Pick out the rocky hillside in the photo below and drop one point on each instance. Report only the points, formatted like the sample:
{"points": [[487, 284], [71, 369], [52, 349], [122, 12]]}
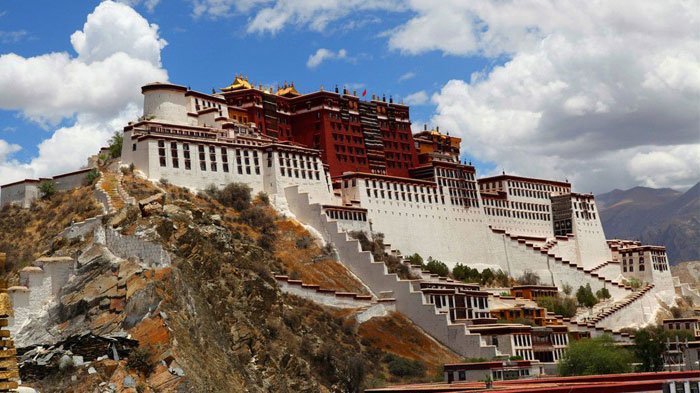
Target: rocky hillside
{"points": [[210, 316], [655, 216], [688, 272]]}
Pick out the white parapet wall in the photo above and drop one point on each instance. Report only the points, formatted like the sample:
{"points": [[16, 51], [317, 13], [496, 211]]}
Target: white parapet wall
{"points": [[58, 270], [19, 295]]}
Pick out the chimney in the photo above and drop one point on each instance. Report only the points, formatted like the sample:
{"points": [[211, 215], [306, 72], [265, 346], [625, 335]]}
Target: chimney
{"points": [[391, 100], [437, 128], [425, 127], [383, 98], [336, 88]]}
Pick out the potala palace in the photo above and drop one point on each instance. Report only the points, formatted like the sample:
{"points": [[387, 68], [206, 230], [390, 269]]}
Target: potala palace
{"points": [[339, 163]]}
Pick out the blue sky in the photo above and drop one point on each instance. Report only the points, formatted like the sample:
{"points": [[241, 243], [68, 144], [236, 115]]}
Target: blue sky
{"points": [[537, 105]]}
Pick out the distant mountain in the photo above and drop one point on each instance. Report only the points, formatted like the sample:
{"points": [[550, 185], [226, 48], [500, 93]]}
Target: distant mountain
{"points": [[655, 216]]}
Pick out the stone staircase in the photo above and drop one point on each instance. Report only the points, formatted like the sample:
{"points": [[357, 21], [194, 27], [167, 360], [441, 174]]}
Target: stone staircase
{"points": [[367, 305], [375, 275], [108, 189], [620, 305], [617, 289]]}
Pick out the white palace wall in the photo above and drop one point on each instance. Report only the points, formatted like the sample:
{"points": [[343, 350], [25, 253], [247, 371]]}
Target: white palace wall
{"points": [[590, 241], [452, 234], [261, 168]]}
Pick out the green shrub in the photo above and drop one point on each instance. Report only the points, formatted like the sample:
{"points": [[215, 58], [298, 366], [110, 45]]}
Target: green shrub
{"points": [[115, 145], [235, 195], [603, 293], [585, 297], [402, 367], [140, 360], [47, 188], [415, 259], [564, 306], [304, 242], [263, 198], [634, 283], [599, 355], [437, 267], [566, 288], [92, 176], [529, 278]]}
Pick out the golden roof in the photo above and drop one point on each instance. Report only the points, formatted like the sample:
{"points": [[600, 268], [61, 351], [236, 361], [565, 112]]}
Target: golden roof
{"points": [[239, 83], [288, 91]]}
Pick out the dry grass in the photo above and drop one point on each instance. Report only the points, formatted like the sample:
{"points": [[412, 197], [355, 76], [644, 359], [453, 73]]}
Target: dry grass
{"points": [[397, 335], [26, 233], [307, 263]]}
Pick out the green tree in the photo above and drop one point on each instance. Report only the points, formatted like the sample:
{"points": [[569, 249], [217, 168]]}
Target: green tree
{"points": [[564, 306], [416, 259], [650, 345], [465, 273], [47, 188], [115, 145], [92, 176], [487, 277], [585, 297], [593, 356], [437, 267], [603, 293]]}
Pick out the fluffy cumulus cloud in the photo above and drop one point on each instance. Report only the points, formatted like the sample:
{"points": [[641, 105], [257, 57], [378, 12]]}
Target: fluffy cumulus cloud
{"points": [[96, 91], [605, 94], [323, 54], [417, 98]]}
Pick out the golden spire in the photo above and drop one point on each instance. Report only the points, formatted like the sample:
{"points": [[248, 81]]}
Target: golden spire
{"points": [[239, 83]]}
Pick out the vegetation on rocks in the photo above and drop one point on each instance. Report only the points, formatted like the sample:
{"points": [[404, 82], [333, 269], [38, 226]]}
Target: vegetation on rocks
{"points": [[375, 245], [560, 305], [25, 234]]}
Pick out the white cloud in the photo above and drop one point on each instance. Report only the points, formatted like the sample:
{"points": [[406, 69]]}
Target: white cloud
{"points": [[150, 5], [670, 166], [417, 98], [223, 8], [12, 37], [314, 14], [97, 91], [407, 76], [323, 54], [590, 92], [271, 16]]}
